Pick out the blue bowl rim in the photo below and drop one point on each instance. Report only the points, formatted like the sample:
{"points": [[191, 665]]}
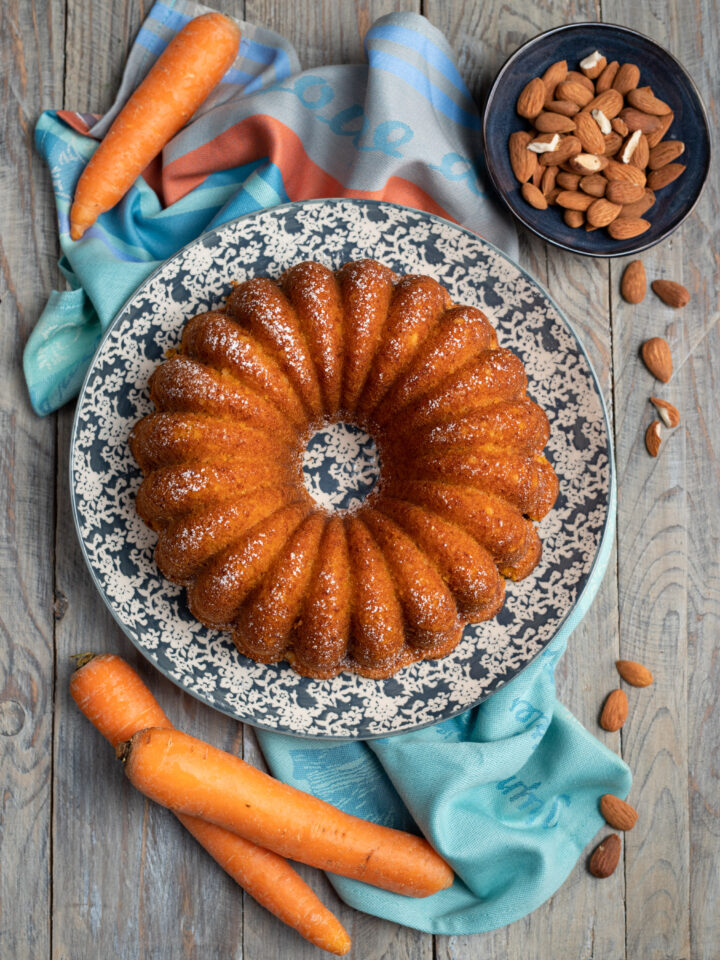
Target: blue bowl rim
{"points": [[501, 193]]}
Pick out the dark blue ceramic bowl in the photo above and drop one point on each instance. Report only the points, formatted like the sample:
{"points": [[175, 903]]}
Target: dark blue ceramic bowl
{"points": [[658, 69]]}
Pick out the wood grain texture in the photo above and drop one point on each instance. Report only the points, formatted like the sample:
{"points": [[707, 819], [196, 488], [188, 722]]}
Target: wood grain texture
{"points": [[32, 75]]}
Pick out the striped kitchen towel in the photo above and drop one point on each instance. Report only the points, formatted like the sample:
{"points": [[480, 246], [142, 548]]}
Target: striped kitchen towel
{"points": [[402, 127]]}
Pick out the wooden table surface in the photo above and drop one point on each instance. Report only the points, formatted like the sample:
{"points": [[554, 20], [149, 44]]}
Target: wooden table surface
{"points": [[88, 869]]}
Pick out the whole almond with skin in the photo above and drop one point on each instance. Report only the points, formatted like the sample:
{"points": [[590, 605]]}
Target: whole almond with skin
{"points": [[665, 123], [657, 358], [572, 90], [605, 80], [643, 99], [552, 196], [619, 126], [588, 133], [588, 163], [637, 120], [670, 416], [533, 196], [653, 438], [547, 122], [625, 228], [626, 79], [633, 285], [595, 184], [634, 673], [602, 212], [609, 101], [665, 175], [531, 100], [574, 200], [613, 142], [548, 179], [565, 107], [675, 295], [639, 207], [568, 147], [605, 857], [624, 171], [617, 813], [554, 75], [665, 152], [641, 154], [568, 181], [574, 218], [522, 161], [536, 178], [623, 192], [575, 76], [614, 713]]}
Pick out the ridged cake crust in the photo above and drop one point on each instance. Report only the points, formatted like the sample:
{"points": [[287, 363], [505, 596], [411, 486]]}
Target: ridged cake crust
{"points": [[462, 473]]}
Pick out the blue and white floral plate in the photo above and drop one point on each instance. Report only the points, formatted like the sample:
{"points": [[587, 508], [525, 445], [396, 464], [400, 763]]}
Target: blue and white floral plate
{"points": [[118, 547]]}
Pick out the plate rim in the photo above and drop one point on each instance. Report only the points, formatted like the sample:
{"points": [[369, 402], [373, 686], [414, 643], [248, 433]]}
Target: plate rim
{"points": [[603, 548]]}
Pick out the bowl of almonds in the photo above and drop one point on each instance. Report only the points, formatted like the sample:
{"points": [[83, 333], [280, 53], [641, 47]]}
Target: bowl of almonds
{"points": [[597, 139]]}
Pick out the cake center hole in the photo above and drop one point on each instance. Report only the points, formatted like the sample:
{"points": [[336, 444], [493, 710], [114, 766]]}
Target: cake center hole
{"points": [[341, 466]]}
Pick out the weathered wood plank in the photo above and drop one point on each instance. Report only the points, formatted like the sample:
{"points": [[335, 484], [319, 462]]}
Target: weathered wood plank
{"points": [[32, 78], [584, 918]]}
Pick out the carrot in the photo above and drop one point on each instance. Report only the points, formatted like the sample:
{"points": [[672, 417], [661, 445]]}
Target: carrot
{"points": [[178, 82], [115, 699], [191, 777]]}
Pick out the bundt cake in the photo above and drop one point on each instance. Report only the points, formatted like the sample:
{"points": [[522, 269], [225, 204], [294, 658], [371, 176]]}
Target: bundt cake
{"points": [[460, 447]]}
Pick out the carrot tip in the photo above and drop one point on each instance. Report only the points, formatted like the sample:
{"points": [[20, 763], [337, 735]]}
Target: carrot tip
{"points": [[122, 751], [82, 658]]}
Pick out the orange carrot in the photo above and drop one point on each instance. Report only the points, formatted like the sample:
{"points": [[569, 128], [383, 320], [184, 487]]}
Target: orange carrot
{"points": [[181, 78], [192, 777], [115, 699]]}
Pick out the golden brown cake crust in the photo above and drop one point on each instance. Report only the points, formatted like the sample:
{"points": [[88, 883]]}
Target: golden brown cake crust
{"points": [[462, 472]]}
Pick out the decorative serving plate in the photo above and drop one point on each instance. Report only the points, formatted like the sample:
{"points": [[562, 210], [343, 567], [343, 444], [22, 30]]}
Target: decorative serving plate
{"points": [[118, 547]]}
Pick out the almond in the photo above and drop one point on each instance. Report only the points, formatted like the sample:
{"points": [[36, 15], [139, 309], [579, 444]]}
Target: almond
{"points": [[634, 673], [574, 200], [625, 228], [643, 99], [613, 142], [536, 178], [522, 161], [544, 143], [657, 358], [568, 181], [624, 192], [588, 163], [566, 107], [572, 90], [628, 148], [633, 285], [641, 153], [653, 438], [595, 185], [664, 153], [602, 212], [665, 175], [614, 713], [531, 100], [670, 416], [554, 75], [548, 179], [617, 813], [567, 147], [624, 171], [609, 101], [575, 76], [547, 122], [639, 207], [619, 126], [552, 196], [574, 218], [605, 857], [626, 79], [588, 133], [593, 65], [673, 294], [637, 120], [665, 123], [602, 121], [533, 196], [605, 80]]}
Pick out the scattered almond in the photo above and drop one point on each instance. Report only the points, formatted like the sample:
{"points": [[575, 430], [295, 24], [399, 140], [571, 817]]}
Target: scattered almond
{"points": [[625, 228], [576, 76], [633, 285], [575, 91], [548, 179], [566, 107], [554, 75], [536, 178], [643, 99], [533, 196], [602, 212], [623, 192], [657, 358], [605, 80], [614, 713], [669, 414], [673, 294], [574, 200], [594, 184], [634, 673], [609, 101], [588, 133], [624, 171], [626, 79], [547, 122], [617, 812], [665, 123], [665, 152], [531, 100], [665, 175], [637, 120], [605, 857], [653, 438], [568, 181], [574, 218], [639, 207], [522, 161]]}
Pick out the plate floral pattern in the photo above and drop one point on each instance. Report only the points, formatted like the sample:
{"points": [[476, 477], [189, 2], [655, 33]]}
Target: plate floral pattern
{"points": [[118, 547]]}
